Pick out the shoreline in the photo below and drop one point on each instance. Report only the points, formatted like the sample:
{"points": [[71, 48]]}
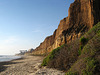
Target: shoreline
{"points": [[27, 65], [19, 57], [2, 63]]}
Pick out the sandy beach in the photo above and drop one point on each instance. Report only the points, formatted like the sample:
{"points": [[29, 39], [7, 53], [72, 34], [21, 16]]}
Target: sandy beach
{"points": [[28, 65]]}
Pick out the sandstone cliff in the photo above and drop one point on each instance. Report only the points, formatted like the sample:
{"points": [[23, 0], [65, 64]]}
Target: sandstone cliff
{"points": [[82, 15]]}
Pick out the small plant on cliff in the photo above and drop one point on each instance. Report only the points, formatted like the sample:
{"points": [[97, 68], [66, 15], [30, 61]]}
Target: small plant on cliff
{"points": [[71, 73], [90, 66], [83, 41], [80, 49], [45, 61], [51, 56]]}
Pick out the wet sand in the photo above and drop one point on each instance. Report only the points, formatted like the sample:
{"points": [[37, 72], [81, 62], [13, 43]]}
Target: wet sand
{"points": [[28, 65]]}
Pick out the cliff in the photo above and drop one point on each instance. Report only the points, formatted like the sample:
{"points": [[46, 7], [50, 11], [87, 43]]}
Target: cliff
{"points": [[82, 15], [79, 57]]}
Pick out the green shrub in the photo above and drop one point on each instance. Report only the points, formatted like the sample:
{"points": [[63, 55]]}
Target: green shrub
{"points": [[83, 40], [93, 46], [45, 61], [64, 58], [90, 66], [62, 45], [51, 55], [71, 73], [80, 49], [91, 33]]}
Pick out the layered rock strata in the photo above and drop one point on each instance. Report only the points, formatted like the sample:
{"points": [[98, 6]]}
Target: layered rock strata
{"points": [[82, 15]]}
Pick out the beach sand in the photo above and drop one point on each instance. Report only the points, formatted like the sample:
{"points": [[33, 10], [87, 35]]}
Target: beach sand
{"points": [[28, 65]]}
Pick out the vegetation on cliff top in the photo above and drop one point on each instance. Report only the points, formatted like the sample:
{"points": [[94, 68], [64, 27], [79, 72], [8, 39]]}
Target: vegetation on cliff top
{"points": [[80, 57]]}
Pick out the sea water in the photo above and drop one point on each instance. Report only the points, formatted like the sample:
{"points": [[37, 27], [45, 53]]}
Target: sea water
{"points": [[8, 57]]}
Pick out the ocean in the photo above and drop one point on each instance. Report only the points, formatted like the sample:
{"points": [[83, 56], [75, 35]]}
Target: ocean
{"points": [[8, 57]]}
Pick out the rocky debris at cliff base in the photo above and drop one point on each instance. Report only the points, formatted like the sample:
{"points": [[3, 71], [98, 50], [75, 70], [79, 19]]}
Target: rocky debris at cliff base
{"points": [[46, 71]]}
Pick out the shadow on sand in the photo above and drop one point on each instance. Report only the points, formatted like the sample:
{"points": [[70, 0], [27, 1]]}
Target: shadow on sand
{"points": [[3, 68]]}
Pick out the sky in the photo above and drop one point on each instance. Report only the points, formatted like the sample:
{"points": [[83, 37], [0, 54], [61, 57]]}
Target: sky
{"points": [[24, 24]]}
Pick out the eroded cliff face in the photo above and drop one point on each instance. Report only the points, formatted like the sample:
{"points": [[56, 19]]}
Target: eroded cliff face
{"points": [[82, 15]]}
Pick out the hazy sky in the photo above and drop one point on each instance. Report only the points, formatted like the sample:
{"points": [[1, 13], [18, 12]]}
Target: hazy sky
{"points": [[24, 24]]}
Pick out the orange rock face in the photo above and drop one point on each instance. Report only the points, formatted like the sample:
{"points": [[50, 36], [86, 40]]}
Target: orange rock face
{"points": [[82, 15]]}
